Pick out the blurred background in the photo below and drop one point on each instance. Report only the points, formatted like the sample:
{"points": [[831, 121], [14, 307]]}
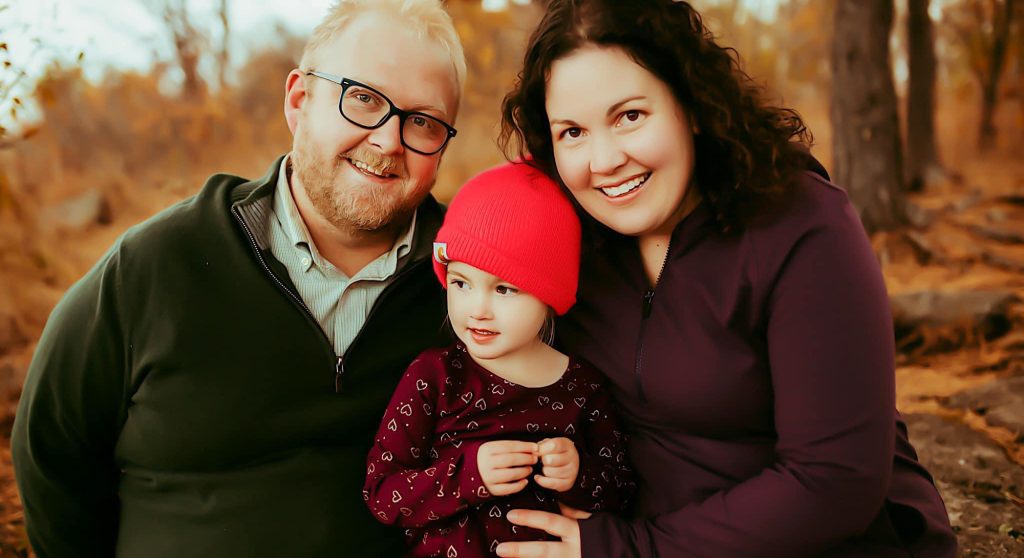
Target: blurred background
{"points": [[111, 111]]}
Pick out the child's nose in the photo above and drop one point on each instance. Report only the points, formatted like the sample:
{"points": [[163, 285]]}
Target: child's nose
{"points": [[481, 307]]}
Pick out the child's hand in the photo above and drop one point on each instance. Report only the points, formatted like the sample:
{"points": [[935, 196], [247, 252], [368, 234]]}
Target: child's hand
{"points": [[561, 464], [505, 465]]}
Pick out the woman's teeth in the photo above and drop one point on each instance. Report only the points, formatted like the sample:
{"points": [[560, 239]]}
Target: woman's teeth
{"points": [[625, 187]]}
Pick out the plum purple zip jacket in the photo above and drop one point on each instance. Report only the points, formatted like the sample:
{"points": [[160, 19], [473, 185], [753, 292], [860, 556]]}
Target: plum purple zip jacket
{"points": [[757, 383]]}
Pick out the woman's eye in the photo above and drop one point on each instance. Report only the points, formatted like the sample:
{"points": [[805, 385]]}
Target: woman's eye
{"points": [[571, 133], [631, 117]]}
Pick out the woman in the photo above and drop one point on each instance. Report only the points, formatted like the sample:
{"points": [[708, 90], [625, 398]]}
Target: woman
{"points": [[731, 297]]}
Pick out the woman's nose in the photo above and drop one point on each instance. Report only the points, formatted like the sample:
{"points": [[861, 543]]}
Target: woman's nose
{"points": [[606, 155]]}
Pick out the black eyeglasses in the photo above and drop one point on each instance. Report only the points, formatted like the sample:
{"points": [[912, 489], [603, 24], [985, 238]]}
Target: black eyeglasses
{"points": [[368, 108]]}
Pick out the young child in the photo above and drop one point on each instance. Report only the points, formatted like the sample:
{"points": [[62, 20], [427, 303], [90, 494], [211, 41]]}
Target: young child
{"points": [[501, 420]]}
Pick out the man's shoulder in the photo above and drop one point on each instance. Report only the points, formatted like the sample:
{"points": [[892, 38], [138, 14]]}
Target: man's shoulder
{"points": [[200, 218]]}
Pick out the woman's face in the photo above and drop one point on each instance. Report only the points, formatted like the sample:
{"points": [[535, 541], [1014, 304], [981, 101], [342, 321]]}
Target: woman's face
{"points": [[622, 143]]}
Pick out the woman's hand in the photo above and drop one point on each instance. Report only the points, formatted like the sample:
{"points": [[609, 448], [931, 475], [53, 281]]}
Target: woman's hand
{"points": [[560, 526]]}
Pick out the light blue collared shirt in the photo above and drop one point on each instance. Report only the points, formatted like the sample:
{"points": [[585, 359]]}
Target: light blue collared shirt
{"points": [[339, 303]]}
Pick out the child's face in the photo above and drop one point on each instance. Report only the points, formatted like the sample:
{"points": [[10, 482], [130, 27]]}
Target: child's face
{"points": [[492, 317]]}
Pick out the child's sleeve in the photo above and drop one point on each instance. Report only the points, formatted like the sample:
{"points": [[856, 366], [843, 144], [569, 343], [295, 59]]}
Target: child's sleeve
{"points": [[606, 480], [406, 483]]}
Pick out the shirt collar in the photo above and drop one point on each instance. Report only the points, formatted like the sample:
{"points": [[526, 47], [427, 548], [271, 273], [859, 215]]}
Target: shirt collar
{"points": [[288, 216]]}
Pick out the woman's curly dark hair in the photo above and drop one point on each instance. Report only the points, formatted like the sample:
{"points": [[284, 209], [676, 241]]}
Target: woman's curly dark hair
{"points": [[747, 152]]}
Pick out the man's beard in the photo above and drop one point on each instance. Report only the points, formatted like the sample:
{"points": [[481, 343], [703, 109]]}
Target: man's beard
{"points": [[350, 205]]}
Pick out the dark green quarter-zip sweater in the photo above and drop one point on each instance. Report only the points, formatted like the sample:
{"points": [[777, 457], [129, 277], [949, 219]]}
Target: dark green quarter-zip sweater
{"points": [[183, 402]]}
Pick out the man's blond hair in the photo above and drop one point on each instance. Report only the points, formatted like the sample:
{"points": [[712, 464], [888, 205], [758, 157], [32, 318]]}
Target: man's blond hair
{"points": [[427, 18]]}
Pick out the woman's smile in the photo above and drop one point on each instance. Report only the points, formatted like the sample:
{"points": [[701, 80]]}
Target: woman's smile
{"points": [[625, 188]]}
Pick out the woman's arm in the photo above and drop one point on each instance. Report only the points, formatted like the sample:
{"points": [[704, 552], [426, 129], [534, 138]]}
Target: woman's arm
{"points": [[830, 347]]}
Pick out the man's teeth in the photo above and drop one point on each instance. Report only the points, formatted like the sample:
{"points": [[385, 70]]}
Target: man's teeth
{"points": [[625, 187], [368, 169]]}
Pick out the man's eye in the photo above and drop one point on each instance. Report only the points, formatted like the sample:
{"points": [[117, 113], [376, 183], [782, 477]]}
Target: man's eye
{"points": [[364, 97], [422, 122]]}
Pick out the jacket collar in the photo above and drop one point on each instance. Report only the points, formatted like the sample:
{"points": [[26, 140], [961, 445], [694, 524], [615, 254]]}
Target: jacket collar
{"points": [[254, 200]]}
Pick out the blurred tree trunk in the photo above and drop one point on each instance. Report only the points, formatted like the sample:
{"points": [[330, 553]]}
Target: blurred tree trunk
{"points": [[866, 142], [990, 83], [922, 155], [223, 58], [188, 42]]}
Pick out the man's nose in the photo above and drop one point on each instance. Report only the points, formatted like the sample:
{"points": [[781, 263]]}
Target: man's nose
{"points": [[388, 137]]}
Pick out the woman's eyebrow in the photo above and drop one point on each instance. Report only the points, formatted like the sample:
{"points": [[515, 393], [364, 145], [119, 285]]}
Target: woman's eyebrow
{"points": [[611, 110], [619, 104]]}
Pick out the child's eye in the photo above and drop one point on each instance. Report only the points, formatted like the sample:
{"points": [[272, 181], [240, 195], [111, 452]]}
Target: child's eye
{"points": [[457, 283], [506, 290]]}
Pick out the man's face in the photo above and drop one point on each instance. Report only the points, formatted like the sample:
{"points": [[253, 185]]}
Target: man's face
{"points": [[364, 180]]}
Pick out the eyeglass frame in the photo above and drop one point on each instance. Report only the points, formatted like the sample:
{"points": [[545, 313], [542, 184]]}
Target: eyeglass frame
{"points": [[393, 109]]}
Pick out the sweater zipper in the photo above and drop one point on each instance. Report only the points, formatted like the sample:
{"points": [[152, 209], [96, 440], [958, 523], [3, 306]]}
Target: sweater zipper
{"points": [[645, 312], [405, 271], [339, 364]]}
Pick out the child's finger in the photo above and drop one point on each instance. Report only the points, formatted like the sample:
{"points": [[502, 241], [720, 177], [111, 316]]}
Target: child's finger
{"points": [[548, 482], [554, 445], [557, 459], [563, 472], [504, 460], [505, 489], [502, 476]]}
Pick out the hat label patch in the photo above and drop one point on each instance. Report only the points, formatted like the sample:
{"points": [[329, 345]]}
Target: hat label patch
{"points": [[441, 252]]}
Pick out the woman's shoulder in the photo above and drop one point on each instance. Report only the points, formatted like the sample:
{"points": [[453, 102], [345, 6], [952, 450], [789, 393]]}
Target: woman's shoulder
{"points": [[812, 204], [812, 201], [817, 214]]}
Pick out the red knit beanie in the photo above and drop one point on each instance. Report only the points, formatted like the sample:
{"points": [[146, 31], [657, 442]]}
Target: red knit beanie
{"points": [[515, 223]]}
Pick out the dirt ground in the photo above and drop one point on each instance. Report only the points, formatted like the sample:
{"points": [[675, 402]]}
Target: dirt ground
{"points": [[960, 384]]}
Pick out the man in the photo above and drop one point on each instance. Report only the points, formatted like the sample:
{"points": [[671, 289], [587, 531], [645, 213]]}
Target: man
{"points": [[212, 386]]}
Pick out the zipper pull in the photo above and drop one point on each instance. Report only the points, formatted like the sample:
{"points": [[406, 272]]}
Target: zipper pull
{"points": [[339, 370], [648, 299]]}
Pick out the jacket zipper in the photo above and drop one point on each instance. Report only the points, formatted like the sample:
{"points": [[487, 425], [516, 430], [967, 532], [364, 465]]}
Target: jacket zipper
{"points": [[645, 312], [340, 367], [339, 363]]}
